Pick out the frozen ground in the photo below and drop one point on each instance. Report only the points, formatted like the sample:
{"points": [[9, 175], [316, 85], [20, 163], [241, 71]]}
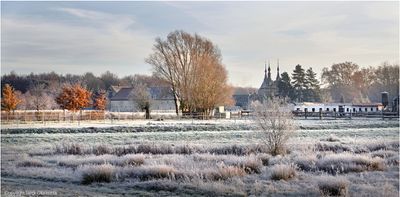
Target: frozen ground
{"points": [[358, 157]]}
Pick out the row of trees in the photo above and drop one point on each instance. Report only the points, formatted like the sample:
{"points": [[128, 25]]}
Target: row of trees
{"points": [[72, 97], [302, 86], [54, 82], [192, 66], [350, 83], [342, 82], [40, 91]]}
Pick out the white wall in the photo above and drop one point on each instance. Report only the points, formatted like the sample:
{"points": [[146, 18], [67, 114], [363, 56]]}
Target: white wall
{"points": [[130, 106], [331, 106]]}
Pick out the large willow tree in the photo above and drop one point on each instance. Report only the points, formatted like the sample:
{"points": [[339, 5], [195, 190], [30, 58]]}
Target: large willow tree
{"points": [[192, 66]]}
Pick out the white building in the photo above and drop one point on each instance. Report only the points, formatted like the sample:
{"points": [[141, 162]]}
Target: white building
{"points": [[338, 107]]}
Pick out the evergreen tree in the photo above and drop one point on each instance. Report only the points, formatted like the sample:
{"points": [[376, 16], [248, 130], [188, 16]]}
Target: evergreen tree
{"points": [[284, 86], [312, 92], [299, 83]]}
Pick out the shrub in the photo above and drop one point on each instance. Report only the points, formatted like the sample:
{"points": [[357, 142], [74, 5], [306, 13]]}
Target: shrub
{"points": [[97, 173], [383, 153], [32, 163], [229, 150], [283, 171], [70, 148], [346, 162], [101, 150], [334, 147], [264, 158], [333, 186], [222, 173], [152, 172], [231, 171], [331, 138], [306, 162], [251, 164], [154, 149], [276, 121], [134, 160]]}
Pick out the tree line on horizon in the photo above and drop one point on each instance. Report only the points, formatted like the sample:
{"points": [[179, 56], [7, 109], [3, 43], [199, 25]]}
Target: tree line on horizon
{"points": [[345, 82]]}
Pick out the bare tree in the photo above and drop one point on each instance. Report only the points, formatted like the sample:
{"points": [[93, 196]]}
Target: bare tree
{"points": [[38, 99], [179, 59], [275, 120], [142, 98]]}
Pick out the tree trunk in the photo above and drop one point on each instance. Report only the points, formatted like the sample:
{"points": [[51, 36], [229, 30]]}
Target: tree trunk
{"points": [[147, 112], [176, 104]]}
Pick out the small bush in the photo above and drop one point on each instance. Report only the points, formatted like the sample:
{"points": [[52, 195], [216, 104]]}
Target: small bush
{"points": [[153, 172], [383, 153], [70, 148], [229, 150], [154, 149], [331, 138], [306, 162], [346, 162], [97, 173], [101, 150], [134, 160], [184, 149], [333, 186], [231, 171], [32, 163], [334, 147], [283, 171], [264, 158], [275, 120], [222, 173], [252, 164]]}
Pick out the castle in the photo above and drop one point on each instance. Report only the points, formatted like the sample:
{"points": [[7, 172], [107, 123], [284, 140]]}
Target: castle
{"points": [[269, 89]]}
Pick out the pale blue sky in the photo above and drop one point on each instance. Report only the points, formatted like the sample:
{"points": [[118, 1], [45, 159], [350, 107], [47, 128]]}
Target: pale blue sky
{"points": [[78, 37]]}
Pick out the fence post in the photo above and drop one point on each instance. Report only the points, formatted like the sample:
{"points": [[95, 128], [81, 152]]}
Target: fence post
{"points": [[305, 113], [79, 117], [320, 114]]}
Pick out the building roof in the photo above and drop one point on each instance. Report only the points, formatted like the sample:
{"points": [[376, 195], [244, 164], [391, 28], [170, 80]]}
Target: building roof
{"points": [[118, 87], [122, 94], [344, 104], [156, 93], [161, 93], [366, 104]]}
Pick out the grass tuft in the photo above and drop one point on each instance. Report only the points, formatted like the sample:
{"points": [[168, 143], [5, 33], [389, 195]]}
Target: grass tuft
{"points": [[97, 173], [32, 163], [333, 186], [283, 171]]}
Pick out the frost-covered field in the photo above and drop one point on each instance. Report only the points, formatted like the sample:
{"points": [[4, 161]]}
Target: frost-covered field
{"points": [[358, 157]]}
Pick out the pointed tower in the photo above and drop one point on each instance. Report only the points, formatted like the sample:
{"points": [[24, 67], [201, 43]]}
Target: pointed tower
{"points": [[265, 69], [269, 71], [264, 85], [277, 72]]}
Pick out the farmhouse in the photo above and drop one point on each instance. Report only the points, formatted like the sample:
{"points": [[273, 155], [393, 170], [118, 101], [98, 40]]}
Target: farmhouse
{"points": [[338, 107], [121, 99]]}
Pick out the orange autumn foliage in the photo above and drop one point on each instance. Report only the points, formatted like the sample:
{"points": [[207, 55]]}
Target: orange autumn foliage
{"points": [[73, 97], [100, 101], [9, 101]]}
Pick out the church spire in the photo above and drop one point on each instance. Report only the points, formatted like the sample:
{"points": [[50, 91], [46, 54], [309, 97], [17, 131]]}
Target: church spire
{"points": [[269, 71], [265, 68], [277, 73]]}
